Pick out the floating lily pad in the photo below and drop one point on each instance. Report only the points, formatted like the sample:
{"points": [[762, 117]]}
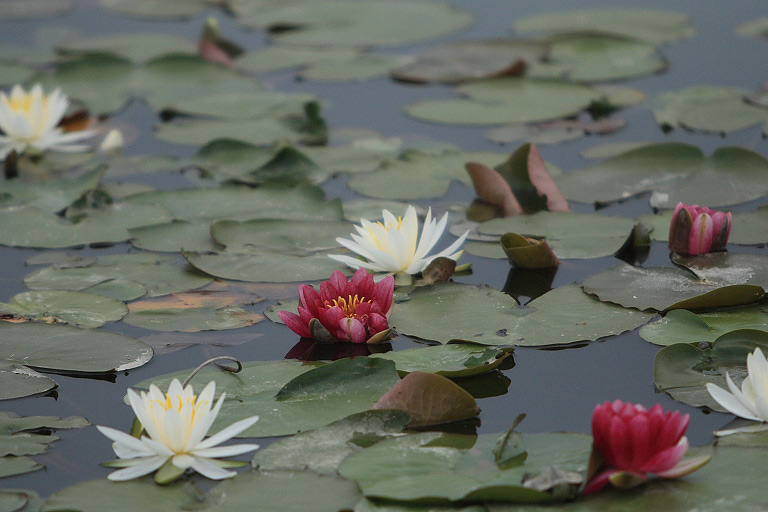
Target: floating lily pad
{"points": [[507, 100], [656, 26], [714, 280], [17, 381], [193, 312], [285, 492], [472, 60], [355, 69], [10, 466], [358, 23], [418, 175], [105, 82], [434, 468], [11, 73], [453, 360], [141, 164], [98, 495], [570, 234], [79, 308], [264, 266], [682, 326], [288, 236], [11, 422], [159, 275], [20, 500], [595, 57], [757, 28], [136, 47], [276, 58], [174, 236], [323, 449], [50, 196], [709, 109], [70, 349], [230, 106], [684, 369], [679, 170], [242, 203]]}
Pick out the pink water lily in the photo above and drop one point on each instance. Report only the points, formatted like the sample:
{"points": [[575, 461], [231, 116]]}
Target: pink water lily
{"points": [[632, 442], [355, 310], [698, 230]]}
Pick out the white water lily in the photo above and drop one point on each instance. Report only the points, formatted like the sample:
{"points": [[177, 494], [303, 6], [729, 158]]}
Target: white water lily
{"points": [[751, 401], [176, 423], [29, 121], [394, 246]]}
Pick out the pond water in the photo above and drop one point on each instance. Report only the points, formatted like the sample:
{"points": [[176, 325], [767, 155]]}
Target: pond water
{"points": [[557, 389]]}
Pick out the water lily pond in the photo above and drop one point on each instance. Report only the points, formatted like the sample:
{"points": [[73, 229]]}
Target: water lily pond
{"points": [[495, 183]]}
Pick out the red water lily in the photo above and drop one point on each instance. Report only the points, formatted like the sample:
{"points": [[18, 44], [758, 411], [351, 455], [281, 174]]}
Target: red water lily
{"points": [[631, 442], [698, 230], [356, 310]]}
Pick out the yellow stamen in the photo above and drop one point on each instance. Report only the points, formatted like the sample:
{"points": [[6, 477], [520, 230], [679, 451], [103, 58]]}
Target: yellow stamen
{"points": [[348, 305]]}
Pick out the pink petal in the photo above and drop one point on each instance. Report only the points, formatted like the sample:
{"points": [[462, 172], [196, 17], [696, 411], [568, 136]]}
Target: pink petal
{"points": [[354, 330], [680, 229], [686, 467], [378, 322], [294, 323], [640, 439], [385, 293], [666, 459], [621, 448], [599, 481], [702, 235], [309, 298]]}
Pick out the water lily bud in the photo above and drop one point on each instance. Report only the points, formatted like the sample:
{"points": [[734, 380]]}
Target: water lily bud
{"points": [[698, 230], [113, 142], [632, 442]]}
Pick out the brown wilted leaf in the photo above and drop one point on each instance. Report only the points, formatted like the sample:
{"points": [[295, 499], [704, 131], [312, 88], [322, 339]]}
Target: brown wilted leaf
{"points": [[545, 185], [430, 399], [491, 187]]}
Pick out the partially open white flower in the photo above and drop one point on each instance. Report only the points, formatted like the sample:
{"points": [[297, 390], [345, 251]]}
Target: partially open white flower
{"points": [[29, 121], [176, 423], [394, 245], [751, 401]]}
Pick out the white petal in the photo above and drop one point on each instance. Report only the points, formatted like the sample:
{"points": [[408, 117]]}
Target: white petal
{"points": [[225, 451], [730, 402], [228, 433], [145, 418], [127, 443], [211, 470], [142, 467]]}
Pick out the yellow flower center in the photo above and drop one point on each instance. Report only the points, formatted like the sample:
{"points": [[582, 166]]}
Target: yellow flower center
{"points": [[348, 305]]}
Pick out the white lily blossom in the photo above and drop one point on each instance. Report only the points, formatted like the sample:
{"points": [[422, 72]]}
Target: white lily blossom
{"points": [[29, 122], [394, 246], [751, 401], [176, 423]]}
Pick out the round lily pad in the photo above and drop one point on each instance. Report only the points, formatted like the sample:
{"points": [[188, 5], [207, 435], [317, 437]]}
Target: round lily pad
{"points": [[17, 381], [452, 360], [570, 234], [96, 495], [136, 47], [288, 236], [174, 236], [684, 369], [79, 308], [683, 326], [265, 266]]}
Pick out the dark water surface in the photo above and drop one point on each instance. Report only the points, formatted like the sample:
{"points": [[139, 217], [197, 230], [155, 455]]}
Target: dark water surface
{"points": [[556, 388]]}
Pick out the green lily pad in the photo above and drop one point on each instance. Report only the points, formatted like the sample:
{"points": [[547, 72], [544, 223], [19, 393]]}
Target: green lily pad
{"points": [[757, 28], [714, 280], [11, 423], [10, 466], [416, 175], [683, 326], [50, 196], [611, 149], [25, 444], [729, 477], [355, 69], [17, 381], [595, 57], [570, 234], [98, 495], [709, 109], [471, 60], [277, 58], [70, 349], [265, 266], [174, 236], [19, 500], [323, 449], [303, 202], [159, 275], [284, 492], [287, 236], [138, 48], [656, 26], [230, 106], [436, 468], [141, 164], [156, 8], [358, 23], [453, 360], [105, 82], [79, 308], [684, 369], [507, 100], [15, 73], [748, 228], [679, 170]]}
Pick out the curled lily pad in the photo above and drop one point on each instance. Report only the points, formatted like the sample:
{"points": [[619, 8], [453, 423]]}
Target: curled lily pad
{"points": [[683, 326], [684, 369], [525, 252]]}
